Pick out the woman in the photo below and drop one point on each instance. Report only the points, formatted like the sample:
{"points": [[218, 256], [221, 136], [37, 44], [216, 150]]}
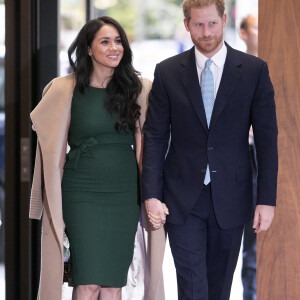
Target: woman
{"points": [[99, 110]]}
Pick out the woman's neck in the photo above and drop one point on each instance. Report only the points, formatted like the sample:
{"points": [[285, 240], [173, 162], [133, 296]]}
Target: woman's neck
{"points": [[100, 78]]}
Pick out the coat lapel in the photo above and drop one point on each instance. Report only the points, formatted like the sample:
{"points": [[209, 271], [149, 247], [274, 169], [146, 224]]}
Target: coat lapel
{"points": [[52, 112], [230, 78], [190, 80]]}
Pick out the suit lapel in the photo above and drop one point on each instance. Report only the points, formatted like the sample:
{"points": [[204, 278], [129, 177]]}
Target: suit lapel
{"points": [[190, 80], [230, 78]]}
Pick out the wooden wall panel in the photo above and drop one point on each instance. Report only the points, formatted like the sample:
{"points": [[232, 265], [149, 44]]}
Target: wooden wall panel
{"points": [[278, 273]]}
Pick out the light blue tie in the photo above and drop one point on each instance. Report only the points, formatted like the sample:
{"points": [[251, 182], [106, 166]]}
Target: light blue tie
{"points": [[208, 96]]}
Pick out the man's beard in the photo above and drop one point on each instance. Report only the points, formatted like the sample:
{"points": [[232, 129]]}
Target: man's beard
{"points": [[204, 47]]}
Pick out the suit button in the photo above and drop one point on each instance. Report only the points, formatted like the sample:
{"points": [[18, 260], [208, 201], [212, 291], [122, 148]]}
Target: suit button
{"points": [[203, 170], [210, 148]]}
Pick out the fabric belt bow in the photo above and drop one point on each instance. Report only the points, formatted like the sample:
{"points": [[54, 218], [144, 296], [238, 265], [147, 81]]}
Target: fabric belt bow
{"points": [[84, 148]]}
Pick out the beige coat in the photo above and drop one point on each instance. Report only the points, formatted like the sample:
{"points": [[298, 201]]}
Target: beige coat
{"points": [[51, 119]]}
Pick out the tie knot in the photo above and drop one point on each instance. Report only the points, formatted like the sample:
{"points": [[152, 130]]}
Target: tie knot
{"points": [[208, 63]]}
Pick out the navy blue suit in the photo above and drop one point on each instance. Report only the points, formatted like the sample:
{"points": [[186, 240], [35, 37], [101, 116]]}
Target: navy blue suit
{"points": [[174, 169]]}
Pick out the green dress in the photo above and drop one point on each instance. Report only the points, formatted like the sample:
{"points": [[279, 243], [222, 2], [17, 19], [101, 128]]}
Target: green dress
{"points": [[99, 193]]}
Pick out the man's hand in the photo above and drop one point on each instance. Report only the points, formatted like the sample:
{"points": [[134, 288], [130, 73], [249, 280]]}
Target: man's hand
{"points": [[156, 211], [263, 217]]}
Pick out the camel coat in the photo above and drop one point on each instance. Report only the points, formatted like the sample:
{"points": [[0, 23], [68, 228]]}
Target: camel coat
{"points": [[51, 119]]}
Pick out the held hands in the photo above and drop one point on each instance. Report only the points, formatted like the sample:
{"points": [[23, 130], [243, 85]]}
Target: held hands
{"points": [[263, 217], [156, 211]]}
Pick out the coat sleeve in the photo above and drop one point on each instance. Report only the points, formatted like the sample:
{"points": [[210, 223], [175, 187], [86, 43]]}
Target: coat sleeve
{"points": [[156, 138], [143, 103], [265, 137], [36, 197]]}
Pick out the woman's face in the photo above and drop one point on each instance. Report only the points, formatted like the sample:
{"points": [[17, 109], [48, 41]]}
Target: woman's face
{"points": [[106, 49]]}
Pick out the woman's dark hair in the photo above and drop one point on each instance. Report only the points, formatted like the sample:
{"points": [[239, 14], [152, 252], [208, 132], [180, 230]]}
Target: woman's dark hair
{"points": [[124, 86]]}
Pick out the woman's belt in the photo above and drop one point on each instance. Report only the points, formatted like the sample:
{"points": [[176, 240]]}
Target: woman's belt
{"points": [[86, 147]]}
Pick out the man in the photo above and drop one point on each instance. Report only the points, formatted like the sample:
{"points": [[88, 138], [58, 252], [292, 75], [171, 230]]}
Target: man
{"points": [[249, 34], [205, 99]]}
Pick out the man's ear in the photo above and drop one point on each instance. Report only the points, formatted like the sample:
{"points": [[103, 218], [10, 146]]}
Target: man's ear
{"points": [[243, 34], [186, 24], [224, 20]]}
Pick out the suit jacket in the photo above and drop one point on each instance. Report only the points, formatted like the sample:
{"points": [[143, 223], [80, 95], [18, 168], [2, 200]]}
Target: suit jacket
{"points": [[51, 121], [176, 109]]}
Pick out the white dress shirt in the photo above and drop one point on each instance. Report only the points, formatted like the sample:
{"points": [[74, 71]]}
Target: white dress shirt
{"points": [[216, 67]]}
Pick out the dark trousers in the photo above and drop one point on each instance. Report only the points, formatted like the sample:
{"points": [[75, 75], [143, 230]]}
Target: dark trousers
{"points": [[205, 255], [249, 243], [249, 263]]}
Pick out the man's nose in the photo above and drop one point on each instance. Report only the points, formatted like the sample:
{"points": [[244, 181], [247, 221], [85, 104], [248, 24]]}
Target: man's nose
{"points": [[206, 30]]}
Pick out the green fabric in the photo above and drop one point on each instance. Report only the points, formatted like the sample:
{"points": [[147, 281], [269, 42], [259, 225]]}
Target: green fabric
{"points": [[100, 193]]}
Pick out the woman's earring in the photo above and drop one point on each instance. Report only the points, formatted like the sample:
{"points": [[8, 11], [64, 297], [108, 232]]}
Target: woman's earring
{"points": [[90, 54]]}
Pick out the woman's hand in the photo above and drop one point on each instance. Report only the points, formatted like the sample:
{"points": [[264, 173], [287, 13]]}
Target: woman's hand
{"points": [[156, 211]]}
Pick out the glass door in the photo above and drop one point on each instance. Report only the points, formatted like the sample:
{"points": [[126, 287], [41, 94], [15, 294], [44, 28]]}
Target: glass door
{"points": [[72, 18]]}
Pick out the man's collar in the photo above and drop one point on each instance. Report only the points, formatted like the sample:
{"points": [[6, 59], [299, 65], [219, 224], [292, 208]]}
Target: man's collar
{"points": [[218, 59]]}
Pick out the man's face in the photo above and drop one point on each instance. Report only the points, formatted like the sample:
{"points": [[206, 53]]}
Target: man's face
{"points": [[206, 29], [252, 38]]}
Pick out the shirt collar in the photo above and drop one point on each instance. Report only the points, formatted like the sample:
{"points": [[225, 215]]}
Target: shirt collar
{"points": [[218, 59]]}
